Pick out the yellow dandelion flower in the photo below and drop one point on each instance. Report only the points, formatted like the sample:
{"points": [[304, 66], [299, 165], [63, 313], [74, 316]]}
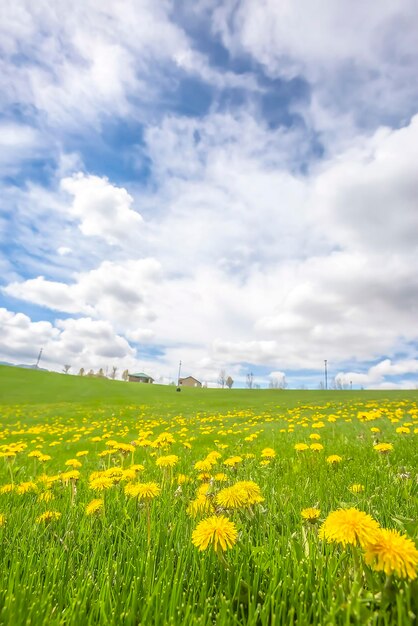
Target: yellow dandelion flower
{"points": [[48, 516], [73, 463], [333, 459], [220, 477], [264, 462], [137, 467], [204, 466], [383, 448], [26, 487], [316, 447], [35, 454], [393, 553], [8, 488], [204, 477], [72, 475], [231, 497], [82, 453], [315, 436], [95, 506], [301, 447], [101, 483], [44, 457], [311, 514], [356, 488], [128, 475], [142, 491], [374, 429], [403, 430], [167, 461], [219, 532], [200, 506], [233, 461], [251, 490], [349, 526], [268, 453], [2, 519]]}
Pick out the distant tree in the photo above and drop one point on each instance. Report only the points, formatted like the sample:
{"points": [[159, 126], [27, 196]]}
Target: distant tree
{"points": [[125, 375], [229, 382], [90, 374], [321, 386], [100, 373], [113, 373], [66, 369], [222, 378], [81, 372], [278, 383], [250, 380], [256, 386]]}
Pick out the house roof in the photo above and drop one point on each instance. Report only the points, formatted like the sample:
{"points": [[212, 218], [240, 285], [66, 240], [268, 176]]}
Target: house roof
{"points": [[140, 375], [190, 378]]}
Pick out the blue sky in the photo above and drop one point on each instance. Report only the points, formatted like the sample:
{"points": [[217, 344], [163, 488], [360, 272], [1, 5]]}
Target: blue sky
{"points": [[230, 184]]}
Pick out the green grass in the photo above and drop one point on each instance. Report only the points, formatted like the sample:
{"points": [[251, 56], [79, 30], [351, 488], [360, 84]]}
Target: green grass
{"points": [[82, 570]]}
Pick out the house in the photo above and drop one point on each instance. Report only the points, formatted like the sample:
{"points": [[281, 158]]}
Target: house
{"points": [[189, 381], [140, 378]]}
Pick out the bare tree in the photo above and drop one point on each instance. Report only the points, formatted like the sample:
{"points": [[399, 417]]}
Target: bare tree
{"points": [[250, 380], [222, 378], [125, 375], [90, 374], [278, 382], [82, 371], [229, 382], [113, 374], [66, 369], [100, 373]]}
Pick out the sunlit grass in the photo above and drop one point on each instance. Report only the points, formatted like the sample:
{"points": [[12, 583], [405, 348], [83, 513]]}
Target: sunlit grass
{"points": [[132, 561]]}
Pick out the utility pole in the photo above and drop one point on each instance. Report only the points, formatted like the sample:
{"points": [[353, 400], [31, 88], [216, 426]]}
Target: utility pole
{"points": [[326, 373], [178, 377], [39, 357]]}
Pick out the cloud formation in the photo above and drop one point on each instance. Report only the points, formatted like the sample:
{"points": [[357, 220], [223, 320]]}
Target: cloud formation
{"points": [[228, 186]]}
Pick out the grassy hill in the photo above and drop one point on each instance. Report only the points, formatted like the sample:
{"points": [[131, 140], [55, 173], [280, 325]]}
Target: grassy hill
{"points": [[30, 387]]}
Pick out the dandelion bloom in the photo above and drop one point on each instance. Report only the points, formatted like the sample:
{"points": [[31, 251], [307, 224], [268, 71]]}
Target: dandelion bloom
{"points": [[349, 526], [217, 531], [403, 430], [356, 488], [182, 479], [300, 447], [48, 516], [167, 461], [204, 466], [383, 448], [316, 447], [199, 506], [315, 436], [251, 490], [82, 453], [2, 519], [220, 477], [95, 506], [334, 459], [311, 514], [232, 497], [233, 461], [143, 491], [73, 463], [268, 453], [393, 553], [72, 475], [101, 483], [26, 487]]}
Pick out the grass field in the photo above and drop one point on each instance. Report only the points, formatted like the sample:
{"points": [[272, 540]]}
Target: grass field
{"points": [[106, 488]]}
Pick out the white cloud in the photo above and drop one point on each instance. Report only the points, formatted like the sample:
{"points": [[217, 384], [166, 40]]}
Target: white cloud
{"points": [[102, 209]]}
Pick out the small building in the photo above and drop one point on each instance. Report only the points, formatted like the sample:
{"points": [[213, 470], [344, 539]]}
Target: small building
{"points": [[140, 378], [189, 381]]}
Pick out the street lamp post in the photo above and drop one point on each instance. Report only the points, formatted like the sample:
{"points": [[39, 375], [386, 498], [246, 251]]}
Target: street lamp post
{"points": [[326, 373]]}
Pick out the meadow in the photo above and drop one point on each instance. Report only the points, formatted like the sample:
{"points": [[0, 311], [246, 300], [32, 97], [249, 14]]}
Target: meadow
{"points": [[129, 504]]}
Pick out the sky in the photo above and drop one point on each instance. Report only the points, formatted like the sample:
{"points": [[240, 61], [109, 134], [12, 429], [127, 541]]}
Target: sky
{"points": [[228, 183]]}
